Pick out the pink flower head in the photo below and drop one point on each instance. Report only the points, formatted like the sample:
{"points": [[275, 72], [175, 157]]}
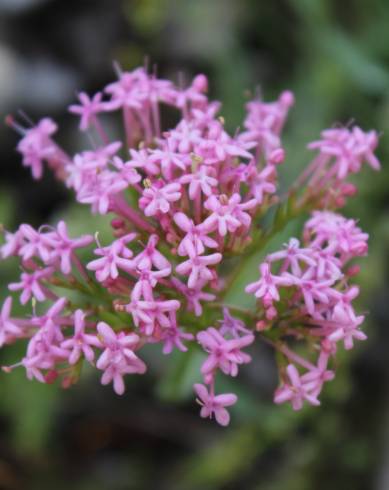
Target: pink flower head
{"points": [[215, 404], [265, 121], [196, 202], [348, 148], [341, 234]]}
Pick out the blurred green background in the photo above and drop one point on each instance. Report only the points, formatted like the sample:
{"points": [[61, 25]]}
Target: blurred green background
{"points": [[335, 56]]}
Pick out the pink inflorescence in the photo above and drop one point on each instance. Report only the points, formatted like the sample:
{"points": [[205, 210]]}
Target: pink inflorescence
{"points": [[189, 206]]}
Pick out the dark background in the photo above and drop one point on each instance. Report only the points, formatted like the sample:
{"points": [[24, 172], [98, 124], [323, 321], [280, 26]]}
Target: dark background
{"points": [[335, 56]]}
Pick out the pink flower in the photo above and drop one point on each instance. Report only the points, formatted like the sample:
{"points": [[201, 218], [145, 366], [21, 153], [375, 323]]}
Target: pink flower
{"points": [[312, 289], [141, 159], [341, 234], [169, 159], [100, 191], [191, 96], [267, 286], [174, 336], [158, 198], [34, 244], [293, 256], [118, 357], [81, 343], [51, 322], [193, 296], [64, 246], [227, 213], [261, 182], [89, 108], [232, 326], [147, 281], [113, 257], [124, 92], [218, 147], [224, 354], [37, 146], [13, 242], [345, 323], [296, 391], [186, 135], [30, 285], [196, 268], [126, 171], [150, 256], [152, 313], [196, 238], [215, 405], [202, 180], [316, 377]]}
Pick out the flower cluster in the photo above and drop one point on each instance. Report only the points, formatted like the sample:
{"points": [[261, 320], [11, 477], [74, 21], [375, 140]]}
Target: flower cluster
{"points": [[189, 206]]}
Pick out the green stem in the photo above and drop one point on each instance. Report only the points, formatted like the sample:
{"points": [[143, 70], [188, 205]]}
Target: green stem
{"points": [[286, 211]]}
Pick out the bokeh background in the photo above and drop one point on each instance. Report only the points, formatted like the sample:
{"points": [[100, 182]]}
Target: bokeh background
{"points": [[335, 56]]}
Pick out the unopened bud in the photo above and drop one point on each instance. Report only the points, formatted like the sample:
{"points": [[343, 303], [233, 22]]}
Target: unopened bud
{"points": [[200, 83], [260, 326], [353, 270], [277, 156], [117, 223], [51, 376]]}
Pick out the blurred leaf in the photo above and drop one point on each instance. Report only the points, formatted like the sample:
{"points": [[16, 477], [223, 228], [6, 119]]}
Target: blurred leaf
{"points": [[364, 71], [183, 370]]}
